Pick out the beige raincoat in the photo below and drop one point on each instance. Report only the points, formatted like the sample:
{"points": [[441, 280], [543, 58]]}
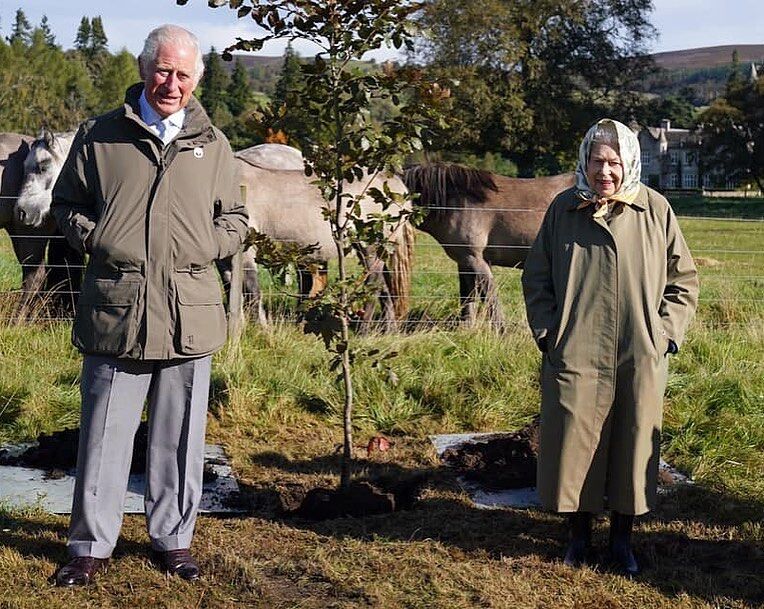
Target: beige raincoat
{"points": [[607, 295]]}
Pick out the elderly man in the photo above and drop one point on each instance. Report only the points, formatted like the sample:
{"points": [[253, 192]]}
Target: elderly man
{"points": [[149, 192]]}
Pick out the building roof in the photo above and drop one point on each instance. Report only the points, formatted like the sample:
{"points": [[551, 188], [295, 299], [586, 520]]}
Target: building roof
{"points": [[671, 135]]}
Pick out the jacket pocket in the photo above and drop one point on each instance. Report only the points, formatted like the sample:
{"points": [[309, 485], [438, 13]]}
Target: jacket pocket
{"points": [[201, 326], [107, 317]]}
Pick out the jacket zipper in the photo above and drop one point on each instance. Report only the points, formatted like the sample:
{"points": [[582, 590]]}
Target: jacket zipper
{"points": [[161, 169]]}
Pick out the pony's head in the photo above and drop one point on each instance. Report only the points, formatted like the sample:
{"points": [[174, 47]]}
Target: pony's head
{"points": [[41, 168]]}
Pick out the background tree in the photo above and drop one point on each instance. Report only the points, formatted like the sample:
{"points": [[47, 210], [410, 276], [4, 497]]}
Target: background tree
{"points": [[239, 92], [344, 144], [82, 39], [733, 131], [287, 97], [41, 85], [679, 109], [214, 84], [241, 103], [21, 32], [543, 71], [118, 73], [50, 39], [98, 42]]}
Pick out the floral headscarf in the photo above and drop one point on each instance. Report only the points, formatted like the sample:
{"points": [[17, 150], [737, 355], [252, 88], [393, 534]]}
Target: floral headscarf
{"points": [[628, 150]]}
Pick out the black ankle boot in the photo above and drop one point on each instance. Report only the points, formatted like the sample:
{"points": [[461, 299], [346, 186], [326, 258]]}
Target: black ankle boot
{"points": [[621, 554], [580, 545]]}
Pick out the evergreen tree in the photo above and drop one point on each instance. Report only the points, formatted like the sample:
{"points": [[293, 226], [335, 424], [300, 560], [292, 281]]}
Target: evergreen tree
{"points": [[214, 84], [239, 93], [287, 98], [119, 72], [290, 80], [50, 39], [82, 40], [39, 82], [21, 33], [98, 41]]}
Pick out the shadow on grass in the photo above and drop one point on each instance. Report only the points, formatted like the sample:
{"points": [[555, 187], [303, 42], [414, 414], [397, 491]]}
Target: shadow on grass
{"points": [[698, 559], [30, 535], [694, 205]]}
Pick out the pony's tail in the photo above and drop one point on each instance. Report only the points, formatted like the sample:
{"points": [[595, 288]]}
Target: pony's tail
{"points": [[401, 263]]}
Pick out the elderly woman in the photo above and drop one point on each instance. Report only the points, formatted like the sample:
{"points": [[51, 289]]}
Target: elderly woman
{"points": [[610, 288]]}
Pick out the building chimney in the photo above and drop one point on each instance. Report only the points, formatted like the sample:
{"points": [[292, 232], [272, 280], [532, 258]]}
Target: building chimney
{"points": [[666, 124]]}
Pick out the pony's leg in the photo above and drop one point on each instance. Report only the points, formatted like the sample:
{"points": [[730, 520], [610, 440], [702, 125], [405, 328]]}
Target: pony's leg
{"points": [[491, 298], [312, 283], [30, 253], [304, 283], [476, 284], [251, 286], [467, 291], [319, 279], [485, 286], [376, 279]]}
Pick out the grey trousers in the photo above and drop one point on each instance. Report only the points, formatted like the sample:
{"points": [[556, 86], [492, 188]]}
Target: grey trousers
{"points": [[113, 394]]}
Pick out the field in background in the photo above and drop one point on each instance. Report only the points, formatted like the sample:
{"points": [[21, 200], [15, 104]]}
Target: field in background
{"points": [[275, 408]]}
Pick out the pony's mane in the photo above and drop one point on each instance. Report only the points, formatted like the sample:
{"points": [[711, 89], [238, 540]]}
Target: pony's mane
{"points": [[448, 185]]}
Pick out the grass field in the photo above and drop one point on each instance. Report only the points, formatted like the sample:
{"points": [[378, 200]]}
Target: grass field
{"points": [[275, 409]]}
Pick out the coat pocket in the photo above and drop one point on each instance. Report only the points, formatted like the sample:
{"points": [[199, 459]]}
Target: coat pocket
{"points": [[201, 326], [107, 317]]}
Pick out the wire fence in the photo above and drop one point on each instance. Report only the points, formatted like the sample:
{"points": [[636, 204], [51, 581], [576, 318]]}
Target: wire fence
{"points": [[432, 309]]}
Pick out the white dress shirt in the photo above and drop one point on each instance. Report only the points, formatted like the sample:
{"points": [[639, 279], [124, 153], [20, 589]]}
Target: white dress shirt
{"points": [[166, 128]]}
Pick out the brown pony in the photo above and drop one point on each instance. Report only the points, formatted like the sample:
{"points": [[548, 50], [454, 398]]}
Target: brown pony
{"points": [[482, 219]]}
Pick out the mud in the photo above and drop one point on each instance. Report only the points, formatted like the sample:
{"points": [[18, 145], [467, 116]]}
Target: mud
{"points": [[56, 453], [505, 461], [361, 498], [502, 461]]}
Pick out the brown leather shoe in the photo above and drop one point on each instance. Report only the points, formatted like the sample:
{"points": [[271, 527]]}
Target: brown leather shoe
{"points": [[80, 571], [178, 562]]}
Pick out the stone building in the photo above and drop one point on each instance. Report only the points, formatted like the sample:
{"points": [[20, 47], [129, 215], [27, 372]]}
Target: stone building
{"points": [[671, 158]]}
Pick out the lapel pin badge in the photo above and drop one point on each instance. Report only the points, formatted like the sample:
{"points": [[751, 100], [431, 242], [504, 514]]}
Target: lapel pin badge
{"points": [[198, 152]]}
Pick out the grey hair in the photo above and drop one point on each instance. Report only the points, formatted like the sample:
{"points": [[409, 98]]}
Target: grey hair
{"points": [[171, 34], [605, 133]]}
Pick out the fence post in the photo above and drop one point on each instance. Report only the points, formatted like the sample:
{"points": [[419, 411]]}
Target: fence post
{"points": [[235, 295]]}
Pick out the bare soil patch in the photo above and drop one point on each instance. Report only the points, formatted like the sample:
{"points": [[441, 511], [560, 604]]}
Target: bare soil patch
{"points": [[56, 453], [503, 461]]}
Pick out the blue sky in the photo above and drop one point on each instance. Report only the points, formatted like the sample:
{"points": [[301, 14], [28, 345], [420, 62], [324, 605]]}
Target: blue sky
{"points": [[682, 24]]}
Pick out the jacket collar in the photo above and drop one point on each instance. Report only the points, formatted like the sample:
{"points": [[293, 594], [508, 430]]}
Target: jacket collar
{"points": [[640, 201], [197, 129]]}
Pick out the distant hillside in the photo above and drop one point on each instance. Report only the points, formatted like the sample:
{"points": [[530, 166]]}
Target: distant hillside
{"points": [[703, 72], [709, 57], [263, 70]]}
